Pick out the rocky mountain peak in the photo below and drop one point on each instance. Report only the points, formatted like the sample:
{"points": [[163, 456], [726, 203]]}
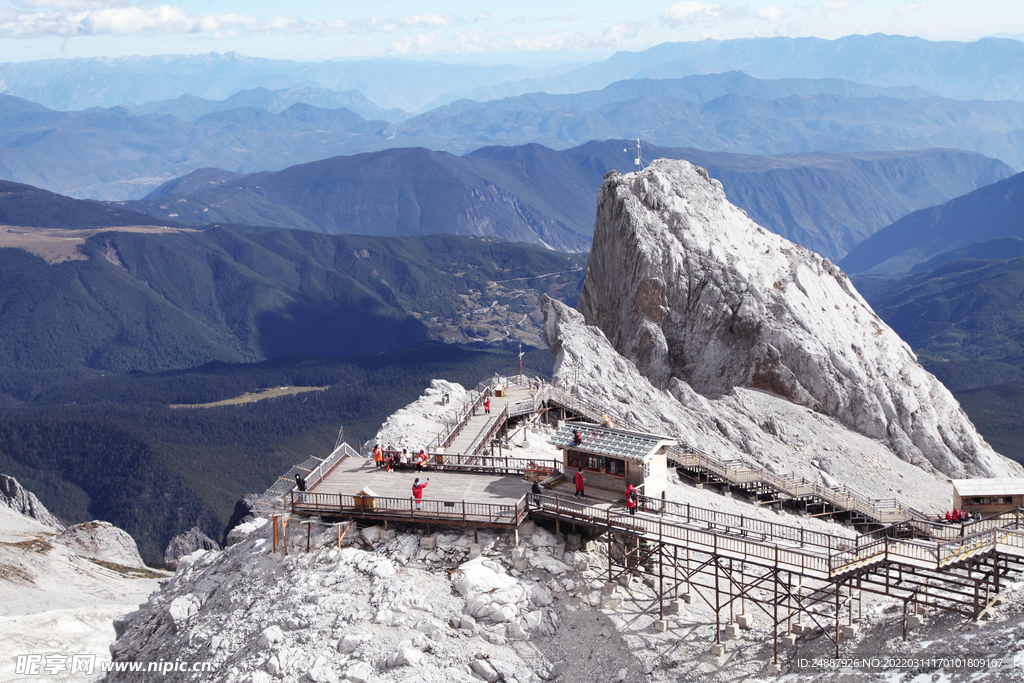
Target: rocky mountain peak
{"points": [[16, 497], [683, 284]]}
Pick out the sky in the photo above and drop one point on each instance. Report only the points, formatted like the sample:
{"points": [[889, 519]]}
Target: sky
{"points": [[530, 31]]}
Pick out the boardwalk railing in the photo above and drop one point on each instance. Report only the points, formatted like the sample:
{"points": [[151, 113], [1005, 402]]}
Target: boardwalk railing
{"points": [[485, 437], [440, 511], [463, 416], [340, 453], [819, 555]]}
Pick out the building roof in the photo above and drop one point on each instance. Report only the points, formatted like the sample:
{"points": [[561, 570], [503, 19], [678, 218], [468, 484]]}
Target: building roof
{"points": [[607, 441], [1006, 486]]}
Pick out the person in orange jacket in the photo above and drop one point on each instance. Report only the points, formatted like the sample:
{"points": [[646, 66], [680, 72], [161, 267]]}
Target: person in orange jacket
{"points": [[378, 456]]}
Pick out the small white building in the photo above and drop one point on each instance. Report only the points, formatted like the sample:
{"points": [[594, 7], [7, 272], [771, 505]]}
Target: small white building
{"points": [[988, 496], [612, 458]]}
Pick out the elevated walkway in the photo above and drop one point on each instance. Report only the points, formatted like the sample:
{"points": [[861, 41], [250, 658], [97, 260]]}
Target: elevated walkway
{"points": [[786, 570]]}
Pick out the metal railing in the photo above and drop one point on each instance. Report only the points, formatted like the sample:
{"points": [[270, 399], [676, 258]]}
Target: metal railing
{"points": [[481, 441], [440, 511], [340, 453]]}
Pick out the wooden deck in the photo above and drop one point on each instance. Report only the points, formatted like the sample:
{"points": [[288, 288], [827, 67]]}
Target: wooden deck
{"points": [[352, 475]]}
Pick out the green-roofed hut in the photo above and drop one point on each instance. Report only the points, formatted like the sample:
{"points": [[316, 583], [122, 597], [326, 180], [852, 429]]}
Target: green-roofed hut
{"points": [[612, 458]]}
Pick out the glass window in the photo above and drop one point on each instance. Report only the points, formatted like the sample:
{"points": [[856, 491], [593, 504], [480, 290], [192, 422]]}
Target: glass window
{"points": [[977, 500], [575, 459], [1001, 500], [595, 463], [616, 467]]}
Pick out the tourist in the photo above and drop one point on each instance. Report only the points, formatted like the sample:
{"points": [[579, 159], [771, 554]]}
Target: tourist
{"points": [[417, 491], [378, 456], [537, 491], [300, 484], [578, 479], [487, 405], [631, 499]]}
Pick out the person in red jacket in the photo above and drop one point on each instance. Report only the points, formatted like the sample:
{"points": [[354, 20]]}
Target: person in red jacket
{"points": [[417, 490], [631, 499], [487, 405], [578, 479]]}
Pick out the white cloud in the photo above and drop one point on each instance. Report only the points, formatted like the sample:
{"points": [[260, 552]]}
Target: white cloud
{"points": [[70, 18], [693, 12], [419, 43], [75, 5], [771, 13], [911, 8]]}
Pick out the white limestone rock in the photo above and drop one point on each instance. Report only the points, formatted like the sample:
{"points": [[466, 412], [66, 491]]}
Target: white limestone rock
{"points": [[19, 499], [186, 543], [704, 301], [102, 541]]}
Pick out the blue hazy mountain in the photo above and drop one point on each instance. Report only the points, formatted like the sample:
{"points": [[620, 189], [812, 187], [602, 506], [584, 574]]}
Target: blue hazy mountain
{"points": [[827, 202], [990, 68], [990, 212], [115, 154]]}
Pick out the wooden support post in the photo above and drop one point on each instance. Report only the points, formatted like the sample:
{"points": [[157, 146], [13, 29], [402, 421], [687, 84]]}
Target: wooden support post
{"points": [[273, 519], [661, 574], [718, 614], [904, 620], [837, 620], [775, 613], [309, 533], [284, 534]]}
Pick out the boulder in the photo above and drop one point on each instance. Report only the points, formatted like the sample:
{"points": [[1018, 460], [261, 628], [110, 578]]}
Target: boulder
{"points": [[102, 541], [183, 544]]}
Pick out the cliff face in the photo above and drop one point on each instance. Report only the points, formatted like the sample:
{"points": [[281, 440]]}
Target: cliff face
{"points": [[693, 292]]}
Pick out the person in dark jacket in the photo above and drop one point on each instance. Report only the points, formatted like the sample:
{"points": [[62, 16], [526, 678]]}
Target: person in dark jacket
{"points": [[537, 491], [300, 484]]}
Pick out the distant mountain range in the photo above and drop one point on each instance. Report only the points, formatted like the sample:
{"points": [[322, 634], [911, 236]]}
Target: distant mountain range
{"points": [[826, 202], [115, 154], [189, 107], [987, 213], [990, 68], [81, 83]]}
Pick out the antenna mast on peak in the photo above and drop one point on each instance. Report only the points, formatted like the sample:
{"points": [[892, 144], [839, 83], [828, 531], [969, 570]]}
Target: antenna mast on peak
{"points": [[638, 162]]}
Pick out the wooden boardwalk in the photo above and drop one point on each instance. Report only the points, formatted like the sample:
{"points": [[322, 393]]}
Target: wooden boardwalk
{"points": [[480, 423]]}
